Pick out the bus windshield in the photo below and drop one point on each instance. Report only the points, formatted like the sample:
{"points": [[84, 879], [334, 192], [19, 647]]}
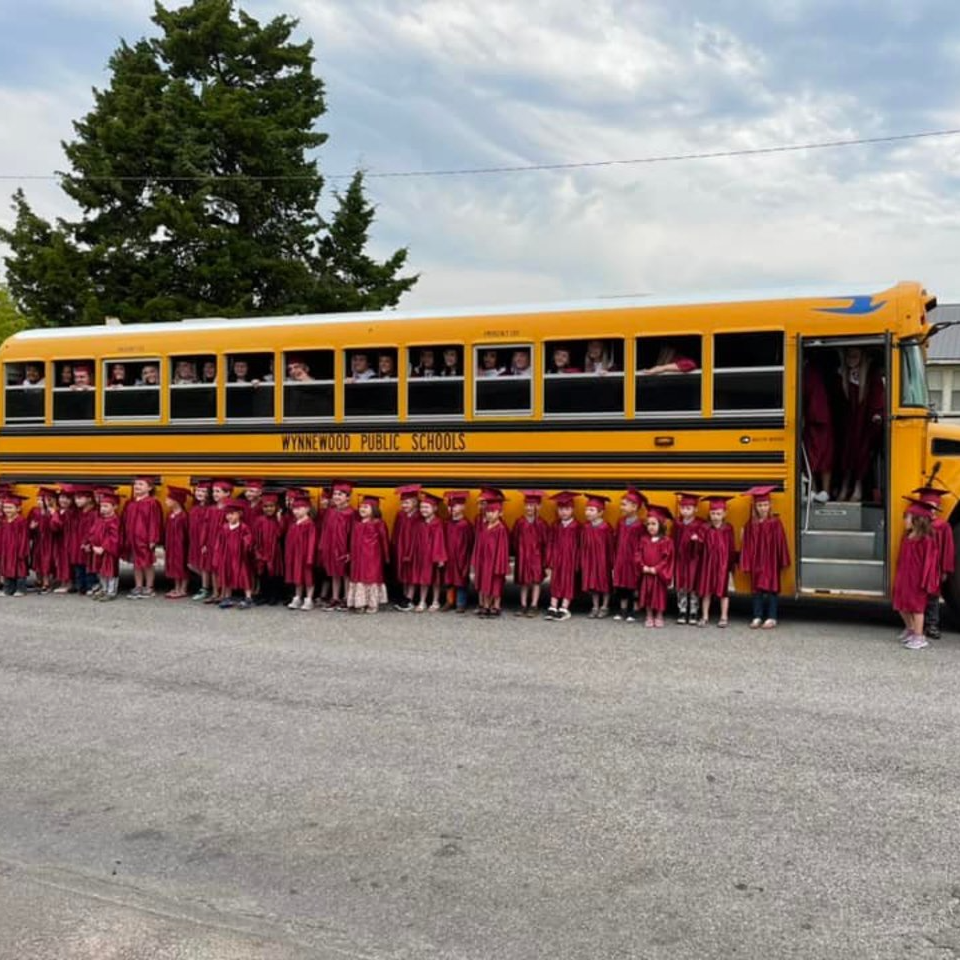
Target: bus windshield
{"points": [[913, 377]]}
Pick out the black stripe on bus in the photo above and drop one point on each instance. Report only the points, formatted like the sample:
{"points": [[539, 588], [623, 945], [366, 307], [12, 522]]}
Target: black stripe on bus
{"points": [[758, 422], [711, 457]]}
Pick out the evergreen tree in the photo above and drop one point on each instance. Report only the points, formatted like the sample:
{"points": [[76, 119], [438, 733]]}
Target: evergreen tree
{"points": [[198, 192], [11, 321]]}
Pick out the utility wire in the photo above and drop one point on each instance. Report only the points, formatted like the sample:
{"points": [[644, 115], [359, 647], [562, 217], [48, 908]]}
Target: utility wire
{"points": [[520, 168]]}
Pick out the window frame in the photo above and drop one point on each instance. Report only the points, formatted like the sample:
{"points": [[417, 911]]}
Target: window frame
{"points": [[699, 375], [94, 391], [745, 412], [227, 386], [545, 377], [33, 391], [398, 381], [527, 414], [410, 380], [172, 359], [283, 383], [105, 391]]}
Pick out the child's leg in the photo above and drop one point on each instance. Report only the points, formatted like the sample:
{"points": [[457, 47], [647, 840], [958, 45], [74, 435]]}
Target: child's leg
{"points": [[138, 577], [535, 595], [705, 608], [724, 608], [595, 600], [461, 597], [149, 576], [918, 624], [524, 593], [772, 606], [604, 601]]}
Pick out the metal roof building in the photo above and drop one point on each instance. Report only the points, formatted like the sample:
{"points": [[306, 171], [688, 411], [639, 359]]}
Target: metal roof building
{"points": [[943, 360]]}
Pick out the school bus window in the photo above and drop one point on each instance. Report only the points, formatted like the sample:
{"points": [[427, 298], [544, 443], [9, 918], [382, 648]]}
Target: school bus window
{"points": [[74, 394], [435, 381], [747, 371], [250, 386], [583, 376], [370, 382], [668, 376], [503, 379], [193, 387], [308, 377], [131, 389], [24, 396]]}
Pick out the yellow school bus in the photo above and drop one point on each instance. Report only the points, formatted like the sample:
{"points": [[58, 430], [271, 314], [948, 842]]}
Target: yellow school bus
{"points": [[667, 394]]}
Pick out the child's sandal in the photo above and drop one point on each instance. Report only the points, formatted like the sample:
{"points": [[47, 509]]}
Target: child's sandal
{"points": [[769, 624], [722, 623]]}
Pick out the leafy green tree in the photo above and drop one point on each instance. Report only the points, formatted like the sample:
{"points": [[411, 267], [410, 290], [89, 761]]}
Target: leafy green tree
{"points": [[198, 188], [11, 320]]}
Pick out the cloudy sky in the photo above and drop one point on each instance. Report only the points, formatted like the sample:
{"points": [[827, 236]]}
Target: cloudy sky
{"points": [[451, 84]]}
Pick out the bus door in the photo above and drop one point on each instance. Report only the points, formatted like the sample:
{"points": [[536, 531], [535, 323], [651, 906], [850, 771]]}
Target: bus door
{"points": [[843, 465]]}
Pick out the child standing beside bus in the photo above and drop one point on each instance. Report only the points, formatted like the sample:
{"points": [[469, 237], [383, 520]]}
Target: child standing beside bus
{"points": [[563, 557], [626, 542], [176, 543], [369, 555], [459, 533], [528, 543], [918, 573], [105, 548], [596, 556], [764, 555], [943, 534], [491, 559], [719, 559], [688, 552], [141, 532], [655, 562], [14, 546]]}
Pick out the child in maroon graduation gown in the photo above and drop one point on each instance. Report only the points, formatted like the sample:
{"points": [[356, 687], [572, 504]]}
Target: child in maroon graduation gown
{"points": [[654, 561], [430, 554], [943, 534], [818, 430], [335, 542], [918, 572], [198, 523], [268, 550], [176, 543], [63, 523], [85, 581], [491, 559], [252, 500], [563, 556], [459, 533], [299, 550], [369, 555], [141, 532], [596, 555], [688, 552], [764, 554], [235, 558], [105, 547], [529, 540], [42, 543], [402, 540], [222, 491], [14, 545], [629, 531], [717, 563]]}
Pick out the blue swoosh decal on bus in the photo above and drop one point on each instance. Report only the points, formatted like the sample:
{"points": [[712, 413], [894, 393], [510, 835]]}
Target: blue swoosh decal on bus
{"points": [[859, 306]]}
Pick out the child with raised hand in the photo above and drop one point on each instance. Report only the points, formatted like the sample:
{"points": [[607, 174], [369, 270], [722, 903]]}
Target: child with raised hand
{"points": [[688, 552], [491, 559], [299, 549], [198, 557], [528, 543], [629, 531], [268, 550], [141, 532], [563, 556], [717, 563], [176, 545], [596, 555], [369, 555], [764, 554], [654, 561], [105, 547], [235, 558], [918, 572], [459, 534], [14, 545], [430, 554]]}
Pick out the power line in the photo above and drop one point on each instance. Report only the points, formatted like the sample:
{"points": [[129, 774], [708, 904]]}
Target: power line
{"points": [[519, 168]]}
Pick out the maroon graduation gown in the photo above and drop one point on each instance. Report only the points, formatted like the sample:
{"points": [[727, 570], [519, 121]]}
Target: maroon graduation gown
{"points": [[402, 544], [176, 545], [658, 554], [459, 535], [563, 560], [596, 556], [42, 557], [198, 533], [369, 551], [764, 553], [817, 420], [624, 554], [216, 521], [491, 558], [235, 558], [319, 523], [105, 533], [719, 557], [14, 547], [528, 542], [946, 557], [299, 549], [687, 551], [335, 541], [268, 545], [859, 436], [60, 521], [85, 522], [429, 551], [918, 576], [141, 529]]}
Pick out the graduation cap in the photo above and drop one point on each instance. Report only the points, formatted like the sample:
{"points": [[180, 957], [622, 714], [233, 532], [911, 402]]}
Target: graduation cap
{"points": [[254, 484], [14, 499], [661, 513], [143, 478], [717, 502], [431, 498], [66, 490], [235, 506], [634, 496], [932, 495], [597, 500], [79, 490], [223, 484], [565, 498], [456, 496], [294, 493], [408, 490], [178, 494], [491, 494], [270, 498], [84, 368], [46, 492], [299, 500], [372, 499], [919, 508], [109, 496], [688, 499], [342, 486], [761, 494], [533, 496]]}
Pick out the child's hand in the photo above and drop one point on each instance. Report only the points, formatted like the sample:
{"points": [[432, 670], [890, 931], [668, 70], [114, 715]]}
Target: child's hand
{"points": [[98, 550]]}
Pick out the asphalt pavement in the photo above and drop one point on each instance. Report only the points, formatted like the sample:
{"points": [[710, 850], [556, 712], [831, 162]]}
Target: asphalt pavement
{"points": [[182, 782]]}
